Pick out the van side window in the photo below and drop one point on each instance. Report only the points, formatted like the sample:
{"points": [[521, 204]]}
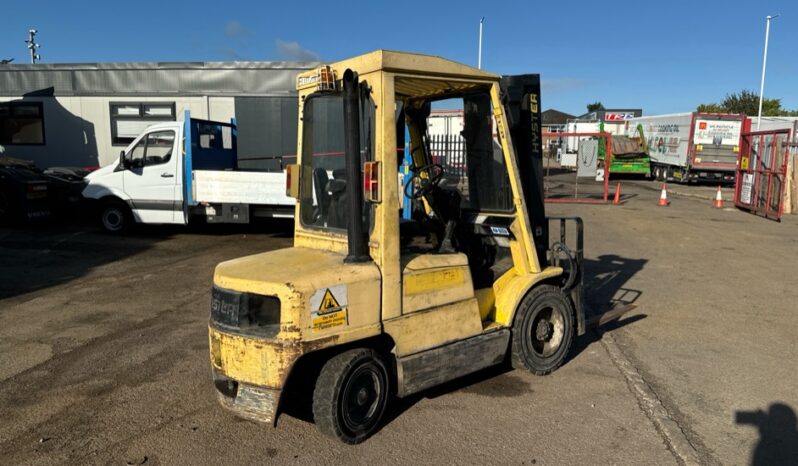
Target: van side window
{"points": [[136, 154], [159, 147]]}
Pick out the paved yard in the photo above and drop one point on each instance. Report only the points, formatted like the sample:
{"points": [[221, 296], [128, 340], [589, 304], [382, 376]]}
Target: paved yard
{"points": [[104, 359]]}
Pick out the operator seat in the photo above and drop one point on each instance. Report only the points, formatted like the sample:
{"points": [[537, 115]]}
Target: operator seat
{"points": [[320, 180], [445, 203]]}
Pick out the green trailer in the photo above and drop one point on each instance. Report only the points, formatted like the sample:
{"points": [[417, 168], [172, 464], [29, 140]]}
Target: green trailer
{"points": [[629, 154]]}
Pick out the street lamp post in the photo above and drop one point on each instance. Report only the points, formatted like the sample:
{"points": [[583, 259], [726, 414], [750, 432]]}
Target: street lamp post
{"points": [[479, 54], [764, 65]]}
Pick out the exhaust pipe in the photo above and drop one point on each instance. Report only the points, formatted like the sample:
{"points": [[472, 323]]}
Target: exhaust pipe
{"points": [[358, 244]]}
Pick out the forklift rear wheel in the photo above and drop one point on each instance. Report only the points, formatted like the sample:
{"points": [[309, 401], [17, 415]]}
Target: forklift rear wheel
{"points": [[543, 330], [115, 217], [351, 395]]}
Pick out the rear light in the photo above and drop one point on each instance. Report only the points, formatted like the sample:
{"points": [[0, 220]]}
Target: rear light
{"points": [[247, 312], [36, 187], [326, 79], [371, 182], [736, 149], [699, 147]]}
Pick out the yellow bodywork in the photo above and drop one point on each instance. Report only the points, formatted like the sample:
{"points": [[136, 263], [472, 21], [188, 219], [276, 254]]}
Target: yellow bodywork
{"points": [[293, 275], [420, 301]]}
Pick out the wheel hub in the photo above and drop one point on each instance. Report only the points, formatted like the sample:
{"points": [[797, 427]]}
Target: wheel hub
{"points": [[543, 330], [362, 396]]}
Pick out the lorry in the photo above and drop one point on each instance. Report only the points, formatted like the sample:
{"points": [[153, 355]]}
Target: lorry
{"points": [[173, 172], [692, 146], [367, 306]]}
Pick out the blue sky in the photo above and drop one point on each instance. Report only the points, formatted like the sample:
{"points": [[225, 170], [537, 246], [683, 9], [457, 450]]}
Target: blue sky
{"points": [[664, 56]]}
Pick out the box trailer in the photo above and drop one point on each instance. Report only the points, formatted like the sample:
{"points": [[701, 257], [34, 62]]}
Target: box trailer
{"points": [[176, 171], [692, 146], [578, 126]]}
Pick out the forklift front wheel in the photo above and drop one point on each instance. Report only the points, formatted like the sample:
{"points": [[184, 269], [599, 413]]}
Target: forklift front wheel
{"points": [[543, 330], [351, 395]]}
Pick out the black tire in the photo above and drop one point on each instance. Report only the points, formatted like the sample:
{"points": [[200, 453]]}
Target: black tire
{"points": [[351, 395], [115, 217], [543, 330]]}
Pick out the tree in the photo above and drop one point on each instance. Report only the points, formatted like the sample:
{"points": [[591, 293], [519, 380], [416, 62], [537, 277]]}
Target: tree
{"points": [[595, 106], [710, 108], [747, 103]]}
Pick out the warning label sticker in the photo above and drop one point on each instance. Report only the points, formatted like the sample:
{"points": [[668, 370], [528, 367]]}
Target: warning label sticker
{"points": [[328, 308]]}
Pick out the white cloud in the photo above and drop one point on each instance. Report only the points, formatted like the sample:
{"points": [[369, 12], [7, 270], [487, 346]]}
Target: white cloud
{"points": [[235, 29], [294, 51]]}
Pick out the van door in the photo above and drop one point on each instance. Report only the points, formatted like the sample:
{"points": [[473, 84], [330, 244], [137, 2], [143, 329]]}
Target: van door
{"points": [[152, 178]]}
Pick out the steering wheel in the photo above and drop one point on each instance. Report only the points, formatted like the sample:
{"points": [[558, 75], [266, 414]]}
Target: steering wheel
{"points": [[426, 185]]}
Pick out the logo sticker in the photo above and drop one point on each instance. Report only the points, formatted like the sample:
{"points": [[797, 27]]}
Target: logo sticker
{"points": [[328, 308]]}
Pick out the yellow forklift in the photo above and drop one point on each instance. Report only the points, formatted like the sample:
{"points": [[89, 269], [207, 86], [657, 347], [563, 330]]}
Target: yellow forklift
{"points": [[368, 304]]}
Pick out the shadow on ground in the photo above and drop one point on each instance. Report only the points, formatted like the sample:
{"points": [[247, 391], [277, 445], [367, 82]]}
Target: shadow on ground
{"points": [[41, 255], [778, 437], [605, 287]]}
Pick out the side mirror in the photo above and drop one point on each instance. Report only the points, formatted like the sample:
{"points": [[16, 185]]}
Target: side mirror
{"points": [[122, 160]]}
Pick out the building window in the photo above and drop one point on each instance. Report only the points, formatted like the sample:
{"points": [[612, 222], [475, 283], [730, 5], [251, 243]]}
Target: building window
{"points": [[21, 123], [128, 120]]}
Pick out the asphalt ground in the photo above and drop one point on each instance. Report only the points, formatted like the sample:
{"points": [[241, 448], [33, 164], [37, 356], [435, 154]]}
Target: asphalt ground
{"points": [[104, 358]]}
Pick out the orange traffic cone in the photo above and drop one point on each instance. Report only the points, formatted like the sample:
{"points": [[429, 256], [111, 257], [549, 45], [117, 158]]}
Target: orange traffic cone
{"points": [[718, 204], [663, 197], [617, 199]]}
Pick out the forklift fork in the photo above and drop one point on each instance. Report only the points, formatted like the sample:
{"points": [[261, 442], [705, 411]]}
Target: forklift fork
{"points": [[573, 286]]}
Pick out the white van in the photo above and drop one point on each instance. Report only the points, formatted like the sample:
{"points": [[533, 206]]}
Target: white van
{"points": [[161, 179]]}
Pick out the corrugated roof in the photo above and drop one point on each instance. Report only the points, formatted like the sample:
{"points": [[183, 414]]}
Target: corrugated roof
{"points": [[152, 78]]}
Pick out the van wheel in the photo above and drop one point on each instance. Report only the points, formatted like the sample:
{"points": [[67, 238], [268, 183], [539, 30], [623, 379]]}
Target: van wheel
{"points": [[115, 216], [351, 395], [543, 330]]}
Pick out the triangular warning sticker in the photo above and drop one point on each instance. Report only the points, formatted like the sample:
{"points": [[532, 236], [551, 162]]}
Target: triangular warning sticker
{"points": [[328, 302]]}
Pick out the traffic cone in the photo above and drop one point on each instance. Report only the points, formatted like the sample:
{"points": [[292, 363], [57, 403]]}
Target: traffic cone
{"points": [[617, 199], [718, 204], [663, 197]]}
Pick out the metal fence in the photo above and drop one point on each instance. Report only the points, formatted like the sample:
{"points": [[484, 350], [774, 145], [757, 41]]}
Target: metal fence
{"points": [[449, 151]]}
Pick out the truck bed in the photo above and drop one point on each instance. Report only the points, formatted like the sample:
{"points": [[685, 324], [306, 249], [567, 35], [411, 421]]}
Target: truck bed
{"points": [[240, 187]]}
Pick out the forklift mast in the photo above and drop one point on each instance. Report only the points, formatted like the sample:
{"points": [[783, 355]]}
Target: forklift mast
{"points": [[521, 99]]}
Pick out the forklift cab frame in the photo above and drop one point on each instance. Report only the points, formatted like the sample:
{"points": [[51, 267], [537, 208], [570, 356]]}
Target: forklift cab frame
{"points": [[365, 306]]}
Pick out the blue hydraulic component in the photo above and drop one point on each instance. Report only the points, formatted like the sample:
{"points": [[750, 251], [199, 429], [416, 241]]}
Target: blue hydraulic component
{"points": [[406, 164]]}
